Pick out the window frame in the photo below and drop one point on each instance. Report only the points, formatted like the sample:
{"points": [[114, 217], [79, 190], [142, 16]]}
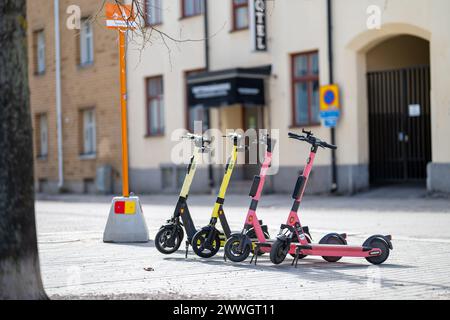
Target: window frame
{"points": [[148, 98], [309, 79], [37, 37], [234, 8], [200, 11], [146, 10], [39, 132], [82, 43], [84, 152]]}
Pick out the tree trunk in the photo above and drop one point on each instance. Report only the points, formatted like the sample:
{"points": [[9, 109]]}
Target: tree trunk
{"points": [[20, 276]]}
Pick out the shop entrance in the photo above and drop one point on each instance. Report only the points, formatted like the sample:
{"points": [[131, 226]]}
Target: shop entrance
{"points": [[253, 119], [398, 86]]}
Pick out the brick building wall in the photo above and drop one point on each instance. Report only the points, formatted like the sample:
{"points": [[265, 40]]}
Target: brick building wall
{"points": [[91, 86]]}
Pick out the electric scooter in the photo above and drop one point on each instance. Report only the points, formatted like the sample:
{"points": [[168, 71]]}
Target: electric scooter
{"points": [[207, 241], [332, 247], [239, 245], [169, 237]]}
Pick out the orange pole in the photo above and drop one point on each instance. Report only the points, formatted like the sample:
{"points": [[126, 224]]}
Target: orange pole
{"points": [[123, 105]]}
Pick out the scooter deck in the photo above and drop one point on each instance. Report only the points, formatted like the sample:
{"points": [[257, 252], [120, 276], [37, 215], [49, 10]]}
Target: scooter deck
{"points": [[330, 250]]}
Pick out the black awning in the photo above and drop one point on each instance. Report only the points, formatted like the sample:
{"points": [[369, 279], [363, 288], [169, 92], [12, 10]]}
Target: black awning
{"points": [[227, 87]]}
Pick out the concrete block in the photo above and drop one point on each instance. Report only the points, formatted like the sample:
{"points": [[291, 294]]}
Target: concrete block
{"points": [[126, 221]]}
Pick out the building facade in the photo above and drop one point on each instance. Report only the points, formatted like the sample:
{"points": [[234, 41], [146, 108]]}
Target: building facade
{"points": [[85, 155], [393, 81]]}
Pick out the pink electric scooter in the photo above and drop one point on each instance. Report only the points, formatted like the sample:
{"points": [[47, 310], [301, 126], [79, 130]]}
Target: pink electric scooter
{"points": [[239, 245], [294, 240]]}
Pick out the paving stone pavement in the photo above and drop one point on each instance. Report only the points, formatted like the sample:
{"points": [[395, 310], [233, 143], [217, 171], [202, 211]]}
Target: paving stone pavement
{"points": [[76, 264]]}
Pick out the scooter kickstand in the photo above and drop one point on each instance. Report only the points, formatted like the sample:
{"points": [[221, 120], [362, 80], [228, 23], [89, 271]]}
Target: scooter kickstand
{"points": [[296, 258], [187, 249], [255, 255]]}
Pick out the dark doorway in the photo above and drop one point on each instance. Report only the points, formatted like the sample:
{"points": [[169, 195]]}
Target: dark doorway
{"points": [[253, 119], [399, 124]]}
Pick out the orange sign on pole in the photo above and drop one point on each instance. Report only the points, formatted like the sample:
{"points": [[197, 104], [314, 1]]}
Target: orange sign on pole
{"points": [[122, 18]]}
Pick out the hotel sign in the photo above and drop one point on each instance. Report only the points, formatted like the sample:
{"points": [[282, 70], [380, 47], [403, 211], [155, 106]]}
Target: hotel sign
{"points": [[258, 26]]}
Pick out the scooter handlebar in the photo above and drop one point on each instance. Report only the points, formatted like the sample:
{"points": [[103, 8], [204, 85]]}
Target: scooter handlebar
{"points": [[312, 140], [197, 138], [323, 144]]}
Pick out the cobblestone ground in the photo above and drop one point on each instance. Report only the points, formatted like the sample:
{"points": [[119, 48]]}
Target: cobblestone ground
{"points": [[77, 264]]}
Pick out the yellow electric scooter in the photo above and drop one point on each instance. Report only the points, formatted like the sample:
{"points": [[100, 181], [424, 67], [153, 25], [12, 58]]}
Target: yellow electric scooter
{"points": [[207, 241], [169, 237]]}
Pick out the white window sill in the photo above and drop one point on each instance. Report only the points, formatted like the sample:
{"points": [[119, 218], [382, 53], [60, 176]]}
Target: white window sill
{"points": [[41, 157], [90, 156], [86, 65]]}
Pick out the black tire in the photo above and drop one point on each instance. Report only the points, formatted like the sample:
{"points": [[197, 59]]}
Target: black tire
{"points": [[198, 244], [279, 251], [163, 236], [333, 239], [302, 256], [379, 244], [231, 247]]}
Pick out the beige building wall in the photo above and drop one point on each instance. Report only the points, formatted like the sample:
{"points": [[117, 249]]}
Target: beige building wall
{"points": [[296, 26]]}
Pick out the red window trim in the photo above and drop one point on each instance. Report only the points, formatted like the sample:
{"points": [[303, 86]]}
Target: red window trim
{"points": [[149, 98], [234, 8], [309, 78], [198, 10], [147, 24]]}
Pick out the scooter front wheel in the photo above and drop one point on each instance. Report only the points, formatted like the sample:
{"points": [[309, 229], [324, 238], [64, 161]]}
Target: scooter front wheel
{"points": [[168, 239], [202, 247], [234, 252], [279, 251]]}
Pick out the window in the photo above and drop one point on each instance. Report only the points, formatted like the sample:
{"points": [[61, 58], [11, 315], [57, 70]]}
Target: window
{"points": [[240, 14], [153, 12], [42, 135], [305, 89], [155, 106], [89, 132], [192, 7], [39, 38], [86, 43]]}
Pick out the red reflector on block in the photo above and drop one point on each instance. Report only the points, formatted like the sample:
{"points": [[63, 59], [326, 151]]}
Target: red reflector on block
{"points": [[119, 207]]}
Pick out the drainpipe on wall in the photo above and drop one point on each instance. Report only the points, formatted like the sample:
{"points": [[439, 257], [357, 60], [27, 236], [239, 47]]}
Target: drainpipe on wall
{"points": [[206, 37], [58, 97], [334, 186]]}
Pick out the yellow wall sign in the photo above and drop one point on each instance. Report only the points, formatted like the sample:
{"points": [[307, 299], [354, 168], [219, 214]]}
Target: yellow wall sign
{"points": [[329, 98]]}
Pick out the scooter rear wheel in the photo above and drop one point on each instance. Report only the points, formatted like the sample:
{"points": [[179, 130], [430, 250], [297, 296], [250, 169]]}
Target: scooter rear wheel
{"points": [[163, 238], [201, 248], [279, 251], [332, 239], [232, 251]]}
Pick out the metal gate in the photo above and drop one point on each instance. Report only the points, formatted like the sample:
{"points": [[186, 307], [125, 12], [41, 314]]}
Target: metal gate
{"points": [[399, 124]]}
